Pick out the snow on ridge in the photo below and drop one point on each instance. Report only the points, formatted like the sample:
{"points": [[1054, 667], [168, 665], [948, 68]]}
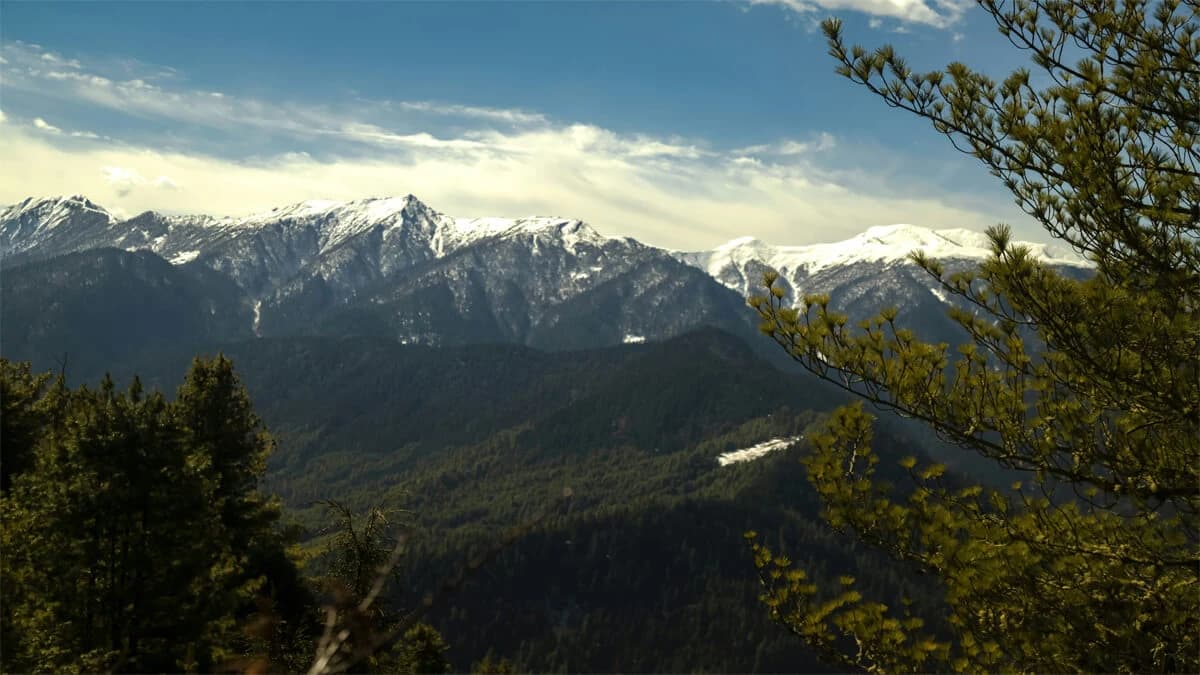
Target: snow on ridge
{"points": [[184, 257], [341, 220], [730, 263], [633, 339], [29, 222], [59, 207], [755, 451], [570, 231]]}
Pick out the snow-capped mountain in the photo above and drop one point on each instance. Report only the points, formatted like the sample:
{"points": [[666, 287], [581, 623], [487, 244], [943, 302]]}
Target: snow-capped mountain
{"points": [[343, 242], [396, 267], [739, 264], [58, 224], [870, 271]]}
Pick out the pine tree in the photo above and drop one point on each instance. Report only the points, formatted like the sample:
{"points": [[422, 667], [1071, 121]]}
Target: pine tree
{"points": [[137, 541], [1090, 388], [25, 406], [422, 651], [490, 664]]}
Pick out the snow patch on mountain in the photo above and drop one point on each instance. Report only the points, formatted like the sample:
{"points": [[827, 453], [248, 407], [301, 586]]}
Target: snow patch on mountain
{"points": [[185, 257], [256, 326], [571, 233], [756, 451]]}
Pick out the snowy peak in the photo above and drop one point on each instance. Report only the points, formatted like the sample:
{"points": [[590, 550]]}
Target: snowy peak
{"points": [[403, 228], [33, 221], [885, 243], [739, 264], [52, 210], [371, 209], [340, 221], [336, 222]]}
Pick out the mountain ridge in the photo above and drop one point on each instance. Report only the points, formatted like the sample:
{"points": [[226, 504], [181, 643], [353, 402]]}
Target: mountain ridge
{"points": [[396, 267], [338, 221], [888, 245]]}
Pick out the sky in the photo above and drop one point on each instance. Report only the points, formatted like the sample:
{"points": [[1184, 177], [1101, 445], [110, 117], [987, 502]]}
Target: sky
{"points": [[683, 124]]}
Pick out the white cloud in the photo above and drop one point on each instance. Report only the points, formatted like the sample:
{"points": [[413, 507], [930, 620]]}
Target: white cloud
{"points": [[43, 125], [668, 191], [140, 97], [938, 13], [51, 57], [122, 177], [124, 180], [685, 204], [790, 147], [165, 183], [477, 112], [3, 118], [46, 127]]}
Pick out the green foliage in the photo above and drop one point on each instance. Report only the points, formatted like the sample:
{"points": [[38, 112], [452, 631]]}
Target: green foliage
{"points": [[422, 651], [1089, 387], [643, 573], [490, 664], [136, 540], [359, 563], [358, 551], [474, 441], [26, 407]]}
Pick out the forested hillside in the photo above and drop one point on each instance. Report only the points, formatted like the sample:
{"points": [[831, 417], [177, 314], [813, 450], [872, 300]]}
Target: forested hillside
{"points": [[646, 554]]}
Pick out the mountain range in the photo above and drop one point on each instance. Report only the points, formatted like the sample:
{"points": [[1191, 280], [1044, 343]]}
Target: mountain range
{"points": [[395, 267], [468, 370]]}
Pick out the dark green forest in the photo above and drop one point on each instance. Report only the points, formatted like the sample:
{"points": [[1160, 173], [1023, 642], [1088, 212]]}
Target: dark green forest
{"points": [[642, 568], [180, 494]]}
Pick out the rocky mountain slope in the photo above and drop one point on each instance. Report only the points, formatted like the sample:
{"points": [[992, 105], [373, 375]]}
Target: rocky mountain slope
{"points": [[394, 267], [869, 271], [389, 267]]}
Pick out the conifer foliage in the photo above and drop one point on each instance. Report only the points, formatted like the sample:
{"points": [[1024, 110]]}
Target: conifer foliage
{"points": [[1089, 388], [133, 535]]}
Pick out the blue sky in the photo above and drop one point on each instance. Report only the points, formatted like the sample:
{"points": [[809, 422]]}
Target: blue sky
{"points": [[681, 123]]}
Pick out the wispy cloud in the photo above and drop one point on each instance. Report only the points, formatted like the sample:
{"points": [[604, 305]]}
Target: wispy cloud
{"points": [[669, 191], [474, 112], [51, 57], [43, 125], [790, 147], [46, 127], [124, 180], [936, 13]]}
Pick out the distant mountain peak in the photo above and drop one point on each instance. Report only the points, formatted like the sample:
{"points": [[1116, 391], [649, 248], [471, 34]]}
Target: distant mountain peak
{"points": [[26, 224], [368, 208], [880, 243], [738, 264], [64, 201], [740, 242]]}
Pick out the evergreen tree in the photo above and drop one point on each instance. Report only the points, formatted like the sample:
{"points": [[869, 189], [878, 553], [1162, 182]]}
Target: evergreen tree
{"points": [[422, 651], [361, 557], [359, 551], [25, 407], [1089, 388], [136, 540], [490, 664]]}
